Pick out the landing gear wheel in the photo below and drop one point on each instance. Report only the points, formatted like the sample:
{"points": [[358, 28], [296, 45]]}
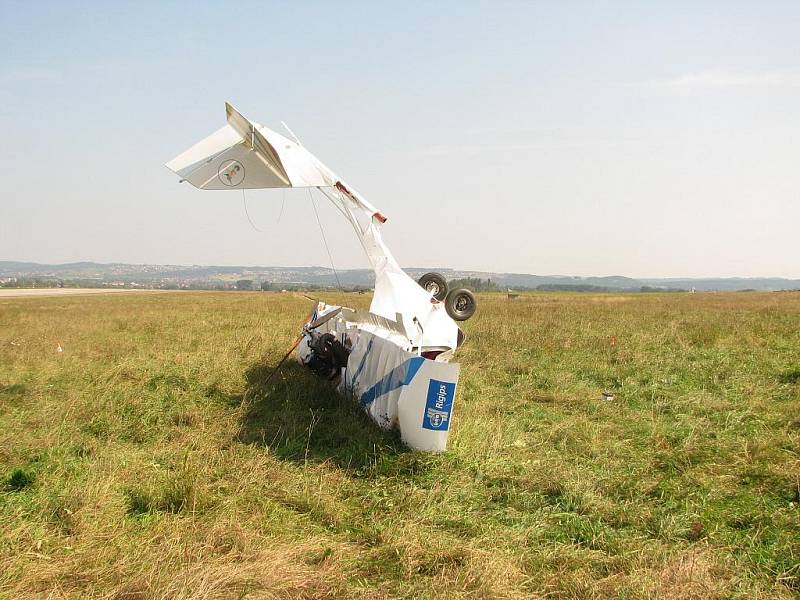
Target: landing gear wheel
{"points": [[460, 304], [435, 284]]}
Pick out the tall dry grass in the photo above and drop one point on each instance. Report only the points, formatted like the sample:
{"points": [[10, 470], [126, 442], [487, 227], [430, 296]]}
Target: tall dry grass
{"points": [[151, 458]]}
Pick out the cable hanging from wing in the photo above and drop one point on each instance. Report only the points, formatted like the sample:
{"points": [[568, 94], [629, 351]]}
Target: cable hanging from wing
{"points": [[246, 212], [283, 203], [324, 240]]}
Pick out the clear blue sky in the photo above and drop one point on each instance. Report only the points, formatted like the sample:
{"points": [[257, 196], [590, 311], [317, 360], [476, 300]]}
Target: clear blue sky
{"points": [[641, 139]]}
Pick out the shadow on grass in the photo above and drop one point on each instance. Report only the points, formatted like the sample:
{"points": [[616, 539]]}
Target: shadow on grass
{"points": [[302, 418], [791, 376]]}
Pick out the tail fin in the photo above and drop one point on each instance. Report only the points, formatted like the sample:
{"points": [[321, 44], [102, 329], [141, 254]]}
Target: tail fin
{"points": [[253, 138], [246, 155], [238, 155]]}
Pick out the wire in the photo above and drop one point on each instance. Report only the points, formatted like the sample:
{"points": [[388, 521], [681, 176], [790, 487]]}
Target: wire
{"points": [[322, 231], [283, 202], [244, 201]]}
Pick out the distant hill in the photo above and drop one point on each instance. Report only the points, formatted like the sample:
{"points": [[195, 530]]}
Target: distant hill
{"points": [[89, 273]]}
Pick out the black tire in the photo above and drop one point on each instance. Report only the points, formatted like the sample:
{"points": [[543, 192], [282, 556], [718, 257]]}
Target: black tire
{"points": [[460, 304], [435, 284]]}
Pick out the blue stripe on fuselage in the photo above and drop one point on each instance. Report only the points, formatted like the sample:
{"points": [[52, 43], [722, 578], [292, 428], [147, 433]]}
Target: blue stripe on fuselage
{"points": [[397, 377], [361, 365]]}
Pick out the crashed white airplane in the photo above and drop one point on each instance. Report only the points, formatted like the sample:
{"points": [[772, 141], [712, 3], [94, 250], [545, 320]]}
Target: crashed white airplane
{"points": [[395, 359]]}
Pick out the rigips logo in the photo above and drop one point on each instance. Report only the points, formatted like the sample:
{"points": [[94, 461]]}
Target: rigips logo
{"points": [[438, 405]]}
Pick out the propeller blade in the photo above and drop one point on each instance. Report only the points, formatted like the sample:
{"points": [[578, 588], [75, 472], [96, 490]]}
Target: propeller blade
{"points": [[283, 360], [325, 318]]}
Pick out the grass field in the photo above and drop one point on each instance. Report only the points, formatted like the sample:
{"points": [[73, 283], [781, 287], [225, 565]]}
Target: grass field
{"points": [[149, 459]]}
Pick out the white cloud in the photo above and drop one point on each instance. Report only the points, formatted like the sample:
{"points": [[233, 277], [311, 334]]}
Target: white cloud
{"points": [[724, 79]]}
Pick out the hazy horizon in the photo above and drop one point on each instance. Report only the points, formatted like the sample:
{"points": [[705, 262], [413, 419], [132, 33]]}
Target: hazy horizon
{"points": [[647, 141], [407, 267]]}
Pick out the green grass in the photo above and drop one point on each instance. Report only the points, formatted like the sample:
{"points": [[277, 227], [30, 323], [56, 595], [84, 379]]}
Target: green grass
{"points": [[151, 459]]}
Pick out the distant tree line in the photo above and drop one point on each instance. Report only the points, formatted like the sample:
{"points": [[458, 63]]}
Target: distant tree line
{"points": [[473, 283], [584, 287], [487, 285], [29, 282]]}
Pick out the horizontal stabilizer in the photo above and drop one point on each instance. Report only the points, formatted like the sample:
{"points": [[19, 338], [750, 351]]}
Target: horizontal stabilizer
{"points": [[246, 155]]}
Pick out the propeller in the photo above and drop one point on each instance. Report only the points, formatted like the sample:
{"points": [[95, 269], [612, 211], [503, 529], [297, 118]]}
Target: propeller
{"points": [[306, 328], [323, 319], [283, 360]]}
